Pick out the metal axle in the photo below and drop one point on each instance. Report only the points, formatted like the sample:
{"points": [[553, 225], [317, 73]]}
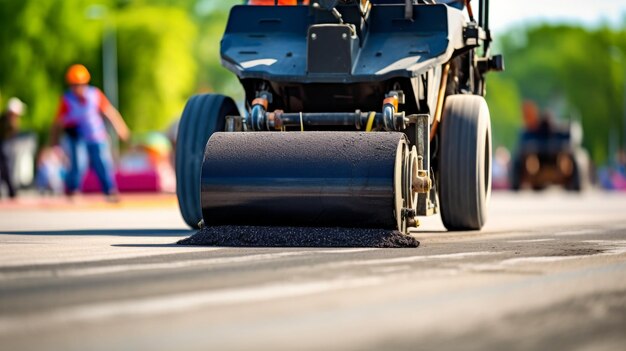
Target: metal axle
{"points": [[260, 120]]}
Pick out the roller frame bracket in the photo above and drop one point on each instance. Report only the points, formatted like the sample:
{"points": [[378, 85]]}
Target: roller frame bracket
{"points": [[424, 204]]}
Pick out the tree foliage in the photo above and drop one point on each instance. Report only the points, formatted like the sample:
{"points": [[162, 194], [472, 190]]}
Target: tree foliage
{"points": [[39, 40], [575, 72], [157, 71]]}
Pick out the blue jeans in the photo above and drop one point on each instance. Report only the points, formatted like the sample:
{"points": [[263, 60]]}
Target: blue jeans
{"points": [[73, 146], [100, 160]]}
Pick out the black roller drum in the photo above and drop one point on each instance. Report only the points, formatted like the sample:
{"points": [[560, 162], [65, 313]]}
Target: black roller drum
{"points": [[343, 179]]}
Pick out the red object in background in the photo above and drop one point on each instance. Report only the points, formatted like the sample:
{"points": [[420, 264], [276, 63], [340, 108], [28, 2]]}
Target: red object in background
{"points": [[145, 168], [500, 184], [159, 178], [618, 181], [147, 181]]}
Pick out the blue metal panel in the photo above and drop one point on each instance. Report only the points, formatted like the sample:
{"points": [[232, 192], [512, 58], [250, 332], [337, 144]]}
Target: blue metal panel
{"points": [[394, 45], [269, 42]]}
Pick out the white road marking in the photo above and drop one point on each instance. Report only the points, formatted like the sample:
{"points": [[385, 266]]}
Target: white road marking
{"points": [[537, 259], [579, 232], [508, 263], [611, 247], [346, 250], [391, 269], [57, 250], [86, 271], [177, 303], [409, 259], [530, 240], [607, 242]]}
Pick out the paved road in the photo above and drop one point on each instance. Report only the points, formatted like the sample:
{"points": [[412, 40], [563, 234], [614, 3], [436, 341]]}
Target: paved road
{"points": [[548, 272]]}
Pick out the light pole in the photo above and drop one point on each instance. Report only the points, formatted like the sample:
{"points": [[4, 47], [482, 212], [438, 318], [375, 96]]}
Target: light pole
{"points": [[109, 62], [623, 64], [109, 52], [620, 57]]}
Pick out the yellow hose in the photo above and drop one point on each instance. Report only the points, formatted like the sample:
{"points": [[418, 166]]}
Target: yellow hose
{"points": [[370, 121]]}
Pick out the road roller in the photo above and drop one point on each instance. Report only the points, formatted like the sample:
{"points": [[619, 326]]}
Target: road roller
{"points": [[359, 114]]}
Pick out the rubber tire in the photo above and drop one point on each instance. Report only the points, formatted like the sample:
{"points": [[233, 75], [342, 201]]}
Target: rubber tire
{"points": [[465, 164], [203, 115]]}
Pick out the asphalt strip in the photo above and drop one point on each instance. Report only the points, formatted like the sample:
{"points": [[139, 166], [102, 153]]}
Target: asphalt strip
{"points": [[258, 236]]}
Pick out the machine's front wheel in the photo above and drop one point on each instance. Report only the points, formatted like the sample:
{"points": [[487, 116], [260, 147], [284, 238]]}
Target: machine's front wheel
{"points": [[465, 163], [203, 115]]}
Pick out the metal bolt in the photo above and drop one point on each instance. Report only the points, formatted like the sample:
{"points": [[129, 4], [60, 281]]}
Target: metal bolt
{"points": [[313, 36], [408, 212], [344, 36]]}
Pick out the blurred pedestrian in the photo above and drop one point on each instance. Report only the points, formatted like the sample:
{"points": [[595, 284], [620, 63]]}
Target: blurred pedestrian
{"points": [[80, 117], [9, 126], [51, 171]]}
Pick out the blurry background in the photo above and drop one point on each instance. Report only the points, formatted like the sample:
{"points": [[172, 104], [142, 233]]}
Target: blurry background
{"points": [[568, 56], [149, 56], [166, 50]]}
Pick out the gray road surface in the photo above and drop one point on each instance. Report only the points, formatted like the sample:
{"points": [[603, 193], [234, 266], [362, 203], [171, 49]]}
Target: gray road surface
{"points": [[547, 273]]}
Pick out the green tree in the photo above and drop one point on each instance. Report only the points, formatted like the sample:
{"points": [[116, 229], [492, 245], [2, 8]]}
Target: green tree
{"points": [[504, 102], [157, 70], [157, 67], [211, 17], [575, 72], [39, 40]]}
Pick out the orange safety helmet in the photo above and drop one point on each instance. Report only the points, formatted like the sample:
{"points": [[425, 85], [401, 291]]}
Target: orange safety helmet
{"points": [[77, 74]]}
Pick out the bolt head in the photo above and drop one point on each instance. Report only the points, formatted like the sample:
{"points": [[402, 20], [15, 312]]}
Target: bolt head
{"points": [[408, 212]]}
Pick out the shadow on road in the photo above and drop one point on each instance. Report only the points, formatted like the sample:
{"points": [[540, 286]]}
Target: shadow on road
{"points": [[111, 232]]}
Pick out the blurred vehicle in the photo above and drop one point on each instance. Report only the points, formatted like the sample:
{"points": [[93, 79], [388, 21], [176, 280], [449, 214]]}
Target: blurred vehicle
{"points": [[550, 153]]}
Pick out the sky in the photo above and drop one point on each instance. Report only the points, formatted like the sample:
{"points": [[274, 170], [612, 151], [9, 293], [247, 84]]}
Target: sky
{"points": [[507, 13]]}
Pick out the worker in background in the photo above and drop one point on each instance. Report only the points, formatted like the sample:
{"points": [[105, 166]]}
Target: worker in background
{"points": [[9, 126], [80, 117], [530, 113]]}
